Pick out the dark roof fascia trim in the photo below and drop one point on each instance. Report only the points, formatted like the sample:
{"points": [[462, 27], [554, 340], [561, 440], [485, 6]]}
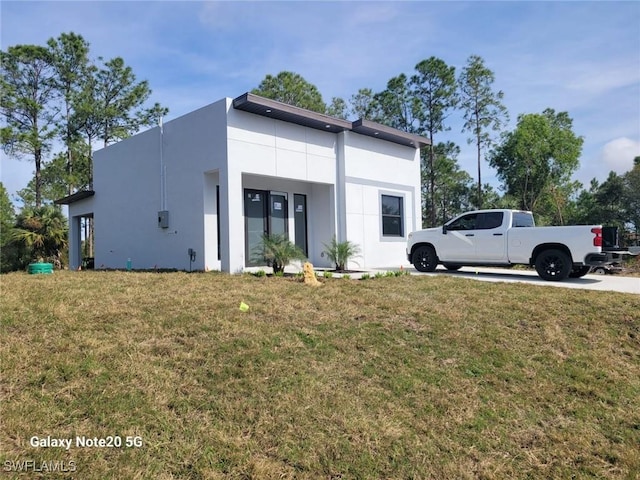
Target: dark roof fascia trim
{"points": [[75, 197], [266, 107], [281, 111], [377, 130]]}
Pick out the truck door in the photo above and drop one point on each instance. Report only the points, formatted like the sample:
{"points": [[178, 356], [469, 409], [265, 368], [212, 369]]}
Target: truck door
{"points": [[490, 237], [459, 243]]}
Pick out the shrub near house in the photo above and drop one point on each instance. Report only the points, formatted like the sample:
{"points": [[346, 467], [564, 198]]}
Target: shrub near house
{"points": [[340, 253]]}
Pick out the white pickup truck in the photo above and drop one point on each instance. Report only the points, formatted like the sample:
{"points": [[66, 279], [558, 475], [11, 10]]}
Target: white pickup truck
{"points": [[506, 238]]}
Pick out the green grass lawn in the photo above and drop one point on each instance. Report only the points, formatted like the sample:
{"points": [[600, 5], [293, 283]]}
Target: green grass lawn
{"points": [[399, 378]]}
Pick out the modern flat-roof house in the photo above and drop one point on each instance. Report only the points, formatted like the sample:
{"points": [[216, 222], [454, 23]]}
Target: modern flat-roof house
{"points": [[201, 190]]}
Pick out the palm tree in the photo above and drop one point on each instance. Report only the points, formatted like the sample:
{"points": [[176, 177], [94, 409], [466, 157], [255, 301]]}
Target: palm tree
{"points": [[341, 252], [278, 251], [43, 231]]}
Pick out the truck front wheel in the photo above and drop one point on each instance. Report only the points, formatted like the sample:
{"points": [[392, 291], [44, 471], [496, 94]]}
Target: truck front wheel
{"points": [[424, 259], [553, 265]]}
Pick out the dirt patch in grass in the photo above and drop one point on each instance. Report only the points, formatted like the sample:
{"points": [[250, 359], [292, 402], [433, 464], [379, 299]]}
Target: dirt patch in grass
{"points": [[404, 377]]}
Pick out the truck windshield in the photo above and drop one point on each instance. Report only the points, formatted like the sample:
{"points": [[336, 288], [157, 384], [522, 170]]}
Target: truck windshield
{"points": [[522, 219]]}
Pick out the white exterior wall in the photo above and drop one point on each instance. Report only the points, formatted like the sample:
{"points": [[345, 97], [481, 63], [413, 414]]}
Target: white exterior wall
{"points": [[372, 168], [268, 147], [127, 182]]}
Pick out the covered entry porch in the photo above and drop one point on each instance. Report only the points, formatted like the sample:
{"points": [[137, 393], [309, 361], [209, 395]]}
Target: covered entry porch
{"points": [[303, 211], [80, 224]]}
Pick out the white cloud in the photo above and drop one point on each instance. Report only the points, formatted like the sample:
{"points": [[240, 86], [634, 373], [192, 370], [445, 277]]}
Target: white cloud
{"points": [[618, 154], [227, 16], [373, 13], [596, 79]]}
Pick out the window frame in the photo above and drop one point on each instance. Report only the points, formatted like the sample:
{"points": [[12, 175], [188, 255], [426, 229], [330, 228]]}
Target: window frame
{"points": [[401, 199]]}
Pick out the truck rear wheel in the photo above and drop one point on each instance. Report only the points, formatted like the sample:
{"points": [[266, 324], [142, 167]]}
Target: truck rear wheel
{"points": [[553, 265], [424, 259]]}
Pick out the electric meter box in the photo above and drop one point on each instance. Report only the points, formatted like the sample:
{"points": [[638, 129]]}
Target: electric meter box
{"points": [[163, 219]]}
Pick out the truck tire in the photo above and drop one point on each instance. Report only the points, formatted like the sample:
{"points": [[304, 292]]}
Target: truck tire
{"points": [[579, 272], [553, 265], [424, 259]]}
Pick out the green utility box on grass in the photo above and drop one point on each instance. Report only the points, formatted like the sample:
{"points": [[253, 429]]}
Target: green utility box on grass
{"points": [[40, 268]]}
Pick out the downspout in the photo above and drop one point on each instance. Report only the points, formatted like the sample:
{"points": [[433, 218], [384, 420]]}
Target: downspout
{"points": [[341, 207], [163, 170]]}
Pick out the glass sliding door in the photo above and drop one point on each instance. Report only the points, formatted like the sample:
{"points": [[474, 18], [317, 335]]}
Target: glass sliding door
{"points": [[278, 217], [218, 217], [300, 221], [265, 213], [255, 218]]}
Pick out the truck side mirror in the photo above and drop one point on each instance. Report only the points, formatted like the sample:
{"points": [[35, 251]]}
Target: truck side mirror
{"points": [[444, 229]]}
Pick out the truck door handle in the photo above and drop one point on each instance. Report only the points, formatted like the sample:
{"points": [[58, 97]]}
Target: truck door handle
{"points": [[468, 234], [497, 234]]}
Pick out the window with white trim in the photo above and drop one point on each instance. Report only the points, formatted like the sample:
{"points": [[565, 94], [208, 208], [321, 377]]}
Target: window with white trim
{"points": [[392, 216]]}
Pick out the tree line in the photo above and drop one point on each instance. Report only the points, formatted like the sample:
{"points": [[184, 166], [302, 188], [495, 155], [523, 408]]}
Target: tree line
{"points": [[57, 96], [57, 103]]}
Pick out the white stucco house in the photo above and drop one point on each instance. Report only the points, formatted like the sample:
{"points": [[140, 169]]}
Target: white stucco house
{"points": [[216, 179]]}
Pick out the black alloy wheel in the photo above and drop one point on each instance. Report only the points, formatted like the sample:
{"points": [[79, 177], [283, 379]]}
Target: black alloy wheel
{"points": [[424, 259], [553, 265]]}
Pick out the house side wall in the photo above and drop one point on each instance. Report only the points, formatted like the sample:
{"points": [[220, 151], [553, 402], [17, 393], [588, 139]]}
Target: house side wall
{"points": [[129, 192], [374, 168]]}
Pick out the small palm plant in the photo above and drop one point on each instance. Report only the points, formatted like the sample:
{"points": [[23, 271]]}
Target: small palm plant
{"points": [[341, 253], [278, 251]]}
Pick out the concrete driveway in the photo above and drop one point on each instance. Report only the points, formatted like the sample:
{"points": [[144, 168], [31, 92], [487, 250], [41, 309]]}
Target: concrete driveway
{"points": [[612, 283]]}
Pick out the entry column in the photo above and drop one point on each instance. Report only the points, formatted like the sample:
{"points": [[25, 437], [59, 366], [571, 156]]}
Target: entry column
{"points": [[75, 243], [231, 221]]}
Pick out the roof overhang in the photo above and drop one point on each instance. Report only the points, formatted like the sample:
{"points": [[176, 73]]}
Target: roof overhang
{"points": [[266, 107], [377, 130], [75, 197]]}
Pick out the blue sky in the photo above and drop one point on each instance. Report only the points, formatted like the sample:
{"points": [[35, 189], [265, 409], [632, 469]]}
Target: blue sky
{"points": [[579, 57]]}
